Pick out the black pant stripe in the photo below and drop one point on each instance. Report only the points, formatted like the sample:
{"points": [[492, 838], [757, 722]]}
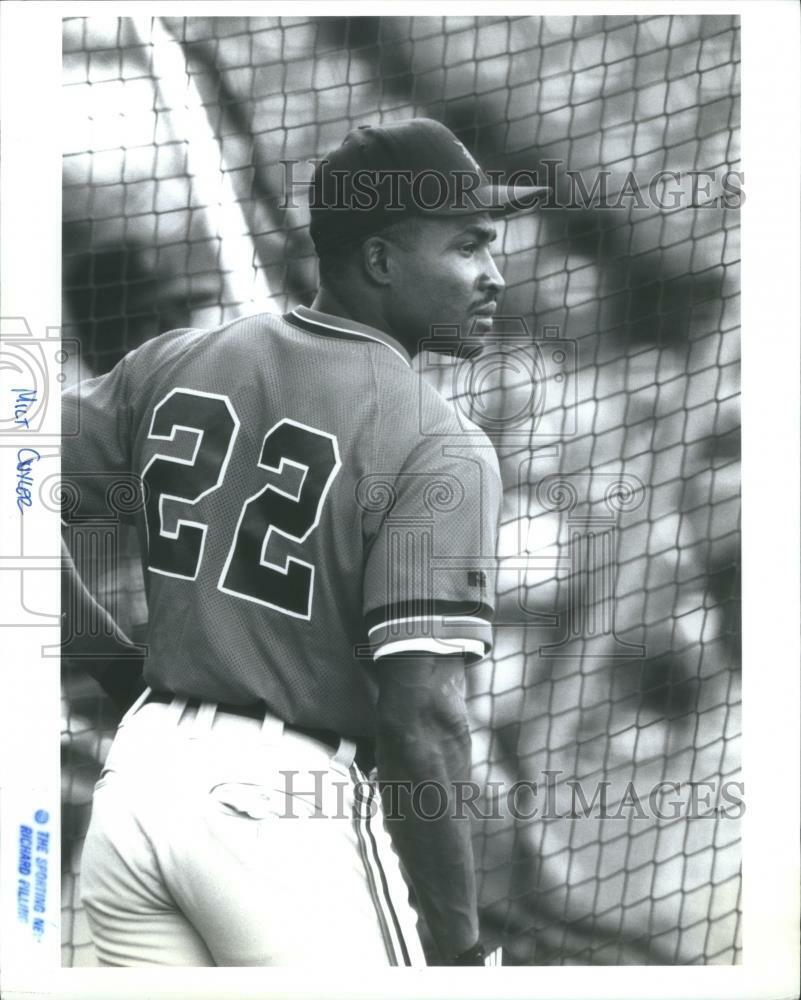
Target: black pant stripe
{"points": [[364, 850], [406, 959]]}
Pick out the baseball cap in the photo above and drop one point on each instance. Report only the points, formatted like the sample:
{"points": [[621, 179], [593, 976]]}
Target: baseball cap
{"points": [[382, 173]]}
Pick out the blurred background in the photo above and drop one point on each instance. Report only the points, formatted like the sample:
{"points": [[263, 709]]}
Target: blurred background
{"points": [[617, 654]]}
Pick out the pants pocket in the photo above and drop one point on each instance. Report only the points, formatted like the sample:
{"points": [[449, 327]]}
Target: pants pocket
{"points": [[276, 801], [239, 799]]}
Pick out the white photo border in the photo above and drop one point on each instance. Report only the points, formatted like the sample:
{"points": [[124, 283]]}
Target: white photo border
{"points": [[30, 240]]}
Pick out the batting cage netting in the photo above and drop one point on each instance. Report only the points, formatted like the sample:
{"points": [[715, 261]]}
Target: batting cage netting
{"points": [[614, 683]]}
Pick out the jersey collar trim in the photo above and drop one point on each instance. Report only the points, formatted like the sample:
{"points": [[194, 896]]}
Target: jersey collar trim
{"points": [[319, 322]]}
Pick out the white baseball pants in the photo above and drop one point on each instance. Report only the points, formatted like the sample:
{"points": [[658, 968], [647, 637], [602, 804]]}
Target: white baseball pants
{"points": [[218, 840]]}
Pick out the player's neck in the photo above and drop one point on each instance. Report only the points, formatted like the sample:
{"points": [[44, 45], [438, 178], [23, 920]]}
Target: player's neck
{"points": [[329, 302]]}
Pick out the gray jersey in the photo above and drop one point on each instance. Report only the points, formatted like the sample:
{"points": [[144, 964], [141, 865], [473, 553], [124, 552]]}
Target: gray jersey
{"points": [[310, 505]]}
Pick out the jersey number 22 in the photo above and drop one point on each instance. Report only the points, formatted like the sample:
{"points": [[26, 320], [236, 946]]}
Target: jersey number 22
{"points": [[248, 572]]}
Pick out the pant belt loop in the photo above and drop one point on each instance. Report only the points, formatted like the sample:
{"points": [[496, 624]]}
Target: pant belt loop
{"points": [[176, 708], [131, 712], [346, 752], [272, 729], [203, 720]]}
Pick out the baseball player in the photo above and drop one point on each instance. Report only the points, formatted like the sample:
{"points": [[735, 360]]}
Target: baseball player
{"points": [[318, 556]]}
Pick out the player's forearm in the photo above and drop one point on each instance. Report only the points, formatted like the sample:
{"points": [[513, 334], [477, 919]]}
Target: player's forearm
{"points": [[436, 851]]}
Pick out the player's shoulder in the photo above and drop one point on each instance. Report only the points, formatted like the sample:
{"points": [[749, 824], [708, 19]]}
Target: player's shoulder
{"points": [[159, 354], [436, 411], [424, 420], [182, 339], [148, 357], [402, 395]]}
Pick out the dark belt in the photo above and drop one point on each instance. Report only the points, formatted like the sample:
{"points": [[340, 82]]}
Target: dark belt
{"points": [[257, 711]]}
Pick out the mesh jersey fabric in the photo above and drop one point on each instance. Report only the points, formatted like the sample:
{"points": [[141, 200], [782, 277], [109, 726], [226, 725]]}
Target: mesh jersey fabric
{"points": [[297, 521]]}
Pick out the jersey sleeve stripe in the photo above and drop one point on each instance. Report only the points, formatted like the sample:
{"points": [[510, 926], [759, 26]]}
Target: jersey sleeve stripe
{"points": [[443, 634], [434, 619], [473, 648], [409, 610]]}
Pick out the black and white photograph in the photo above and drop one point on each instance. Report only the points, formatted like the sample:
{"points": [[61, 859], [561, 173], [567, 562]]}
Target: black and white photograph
{"points": [[376, 488]]}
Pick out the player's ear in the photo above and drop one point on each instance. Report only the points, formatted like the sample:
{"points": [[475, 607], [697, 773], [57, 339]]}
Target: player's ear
{"points": [[376, 253]]}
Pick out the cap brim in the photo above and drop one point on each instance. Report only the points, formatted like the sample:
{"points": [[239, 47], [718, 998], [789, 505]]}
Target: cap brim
{"points": [[505, 200], [498, 200]]}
